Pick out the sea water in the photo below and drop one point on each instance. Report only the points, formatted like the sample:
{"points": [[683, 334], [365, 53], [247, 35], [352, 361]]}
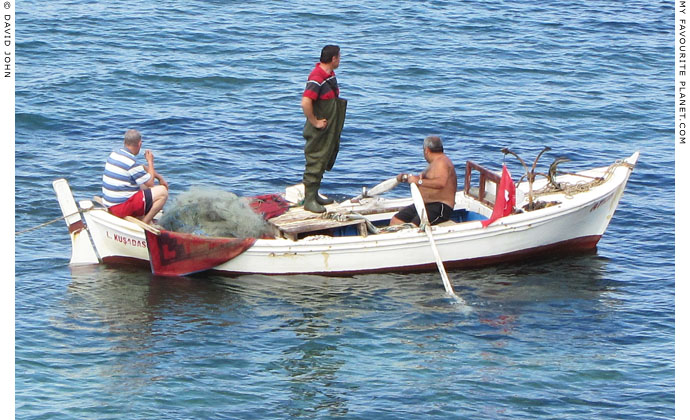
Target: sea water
{"points": [[214, 87]]}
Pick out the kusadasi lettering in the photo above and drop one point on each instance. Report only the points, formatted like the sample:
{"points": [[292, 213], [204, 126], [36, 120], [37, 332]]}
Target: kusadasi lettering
{"points": [[125, 240]]}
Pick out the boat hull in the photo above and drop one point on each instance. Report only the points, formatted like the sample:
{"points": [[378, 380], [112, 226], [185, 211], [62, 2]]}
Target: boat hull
{"points": [[576, 224]]}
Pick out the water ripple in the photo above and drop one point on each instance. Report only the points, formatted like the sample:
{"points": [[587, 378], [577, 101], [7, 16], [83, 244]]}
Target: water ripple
{"points": [[215, 89]]}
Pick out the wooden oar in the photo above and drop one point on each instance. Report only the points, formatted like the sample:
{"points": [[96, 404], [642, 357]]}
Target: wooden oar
{"points": [[424, 224], [143, 225]]}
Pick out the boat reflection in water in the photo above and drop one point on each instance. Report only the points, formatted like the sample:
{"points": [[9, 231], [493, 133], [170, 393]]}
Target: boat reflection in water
{"points": [[317, 334]]}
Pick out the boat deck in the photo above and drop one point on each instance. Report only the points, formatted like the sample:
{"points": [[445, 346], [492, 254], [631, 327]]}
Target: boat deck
{"points": [[298, 223]]}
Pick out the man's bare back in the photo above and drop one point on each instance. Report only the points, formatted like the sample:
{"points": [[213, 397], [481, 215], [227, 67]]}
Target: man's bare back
{"points": [[439, 181]]}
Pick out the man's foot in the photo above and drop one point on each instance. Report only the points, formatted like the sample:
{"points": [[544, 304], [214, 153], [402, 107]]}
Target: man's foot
{"points": [[313, 206], [323, 200]]}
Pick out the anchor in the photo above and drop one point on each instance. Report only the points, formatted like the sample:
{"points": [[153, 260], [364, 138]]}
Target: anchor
{"points": [[530, 174]]}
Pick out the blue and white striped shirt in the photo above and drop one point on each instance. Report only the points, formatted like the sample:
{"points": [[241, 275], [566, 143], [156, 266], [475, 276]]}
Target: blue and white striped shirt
{"points": [[122, 177]]}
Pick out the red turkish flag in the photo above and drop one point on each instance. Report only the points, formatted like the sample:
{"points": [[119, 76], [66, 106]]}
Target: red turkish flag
{"points": [[505, 198]]}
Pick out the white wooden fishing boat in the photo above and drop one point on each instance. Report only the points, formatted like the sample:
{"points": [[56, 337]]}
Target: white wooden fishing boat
{"points": [[571, 219]]}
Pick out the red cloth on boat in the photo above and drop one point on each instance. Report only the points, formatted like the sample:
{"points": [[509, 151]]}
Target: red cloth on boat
{"points": [[505, 198], [269, 205], [180, 254]]}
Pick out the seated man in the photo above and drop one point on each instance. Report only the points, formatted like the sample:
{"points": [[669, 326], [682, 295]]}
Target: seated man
{"points": [[128, 187], [438, 184]]}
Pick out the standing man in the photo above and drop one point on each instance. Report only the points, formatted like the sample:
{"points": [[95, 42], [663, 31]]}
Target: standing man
{"points": [[128, 187], [325, 112], [438, 184]]}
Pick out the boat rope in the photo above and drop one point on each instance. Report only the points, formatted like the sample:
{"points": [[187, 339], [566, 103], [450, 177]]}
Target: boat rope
{"points": [[48, 223], [569, 189], [343, 217], [395, 228]]}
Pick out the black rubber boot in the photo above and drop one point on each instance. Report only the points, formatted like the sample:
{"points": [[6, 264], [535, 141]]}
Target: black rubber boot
{"points": [[310, 202], [323, 201]]}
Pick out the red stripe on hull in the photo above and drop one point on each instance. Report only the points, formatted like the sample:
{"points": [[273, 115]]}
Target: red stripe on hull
{"points": [[571, 246], [118, 260]]}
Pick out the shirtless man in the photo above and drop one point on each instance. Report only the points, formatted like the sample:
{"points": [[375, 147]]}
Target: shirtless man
{"points": [[438, 184]]}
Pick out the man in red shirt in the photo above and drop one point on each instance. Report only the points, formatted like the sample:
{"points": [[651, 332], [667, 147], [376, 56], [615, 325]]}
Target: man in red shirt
{"points": [[325, 113]]}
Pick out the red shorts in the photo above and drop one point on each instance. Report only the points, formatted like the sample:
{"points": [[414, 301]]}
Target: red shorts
{"points": [[137, 205]]}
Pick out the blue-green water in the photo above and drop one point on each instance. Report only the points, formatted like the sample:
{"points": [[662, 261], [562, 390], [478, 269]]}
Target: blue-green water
{"points": [[215, 86]]}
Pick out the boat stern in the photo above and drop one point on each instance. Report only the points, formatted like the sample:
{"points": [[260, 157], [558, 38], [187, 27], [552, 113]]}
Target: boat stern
{"points": [[83, 251]]}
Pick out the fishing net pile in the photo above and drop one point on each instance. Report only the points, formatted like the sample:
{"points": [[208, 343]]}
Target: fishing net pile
{"points": [[212, 212]]}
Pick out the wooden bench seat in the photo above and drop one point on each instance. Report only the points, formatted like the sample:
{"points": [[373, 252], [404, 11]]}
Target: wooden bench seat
{"points": [[298, 223]]}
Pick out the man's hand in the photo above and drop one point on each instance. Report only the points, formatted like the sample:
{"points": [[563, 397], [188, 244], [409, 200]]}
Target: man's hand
{"points": [[308, 109], [409, 178], [149, 168], [321, 124]]}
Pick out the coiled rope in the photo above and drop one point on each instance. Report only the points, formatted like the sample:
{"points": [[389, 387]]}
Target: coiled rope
{"points": [[572, 189]]}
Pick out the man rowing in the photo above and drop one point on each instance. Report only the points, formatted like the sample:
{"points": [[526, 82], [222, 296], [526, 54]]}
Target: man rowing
{"points": [[438, 184]]}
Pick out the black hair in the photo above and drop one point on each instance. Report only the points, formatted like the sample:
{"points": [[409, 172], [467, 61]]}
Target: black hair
{"points": [[328, 53]]}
